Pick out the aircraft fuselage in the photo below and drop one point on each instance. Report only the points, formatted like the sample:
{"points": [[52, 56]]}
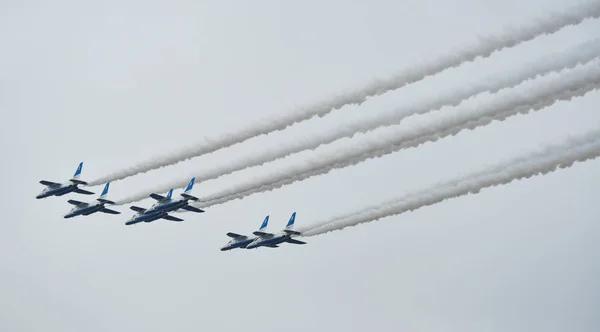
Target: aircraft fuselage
{"points": [[85, 210], [238, 244], [269, 242], [146, 217], [58, 191], [167, 207]]}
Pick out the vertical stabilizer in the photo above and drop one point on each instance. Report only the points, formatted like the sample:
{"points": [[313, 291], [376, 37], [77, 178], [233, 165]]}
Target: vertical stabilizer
{"points": [[78, 171], [264, 223], [290, 224], [104, 194], [190, 185]]}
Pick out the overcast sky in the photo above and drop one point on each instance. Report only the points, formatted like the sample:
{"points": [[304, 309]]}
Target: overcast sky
{"points": [[115, 82]]}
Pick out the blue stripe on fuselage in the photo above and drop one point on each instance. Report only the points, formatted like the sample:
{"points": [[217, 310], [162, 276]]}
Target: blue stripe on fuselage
{"points": [[149, 216], [172, 205], [57, 191], [272, 241], [237, 245], [90, 209]]}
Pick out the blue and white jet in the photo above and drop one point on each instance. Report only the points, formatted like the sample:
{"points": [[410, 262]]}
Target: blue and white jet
{"points": [[142, 216], [241, 241], [60, 189], [271, 240], [164, 205], [167, 204], [85, 209]]}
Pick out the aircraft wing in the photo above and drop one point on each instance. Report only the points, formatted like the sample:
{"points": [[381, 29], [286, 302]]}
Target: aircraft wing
{"points": [[49, 183], [157, 197], [271, 246], [191, 208], [263, 234], [169, 217], [76, 203], [105, 210], [85, 192], [289, 231], [294, 241], [236, 236], [137, 209]]}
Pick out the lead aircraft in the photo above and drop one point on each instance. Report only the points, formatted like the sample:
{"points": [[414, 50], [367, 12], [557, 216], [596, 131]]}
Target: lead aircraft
{"points": [[85, 209], [241, 241], [60, 189], [264, 239]]}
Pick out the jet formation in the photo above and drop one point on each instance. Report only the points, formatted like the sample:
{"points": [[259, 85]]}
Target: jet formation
{"points": [[161, 209], [262, 238]]}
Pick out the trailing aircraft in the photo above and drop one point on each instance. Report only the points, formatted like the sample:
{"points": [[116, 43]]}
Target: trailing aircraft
{"points": [[241, 241], [271, 240], [59, 189], [85, 209], [167, 204]]}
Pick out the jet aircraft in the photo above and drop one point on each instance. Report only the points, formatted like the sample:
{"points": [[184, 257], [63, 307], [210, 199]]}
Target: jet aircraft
{"points": [[265, 239], [164, 205], [142, 216], [60, 189], [85, 209], [167, 204], [241, 241]]}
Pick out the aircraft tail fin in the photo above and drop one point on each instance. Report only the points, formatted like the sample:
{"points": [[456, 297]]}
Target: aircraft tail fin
{"points": [[190, 185], [75, 179], [187, 193], [264, 223], [289, 228], [78, 171], [170, 194], [290, 224], [102, 197]]}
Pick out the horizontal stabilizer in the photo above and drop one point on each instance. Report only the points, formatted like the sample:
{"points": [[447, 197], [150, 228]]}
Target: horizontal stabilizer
{"points": [[76, 203], [259, 233], [137, 209], [109, 211], [236, 236], [294, 241], [132, 222], [189, 197], [78, 181], [49, 183], [289, 231], [81, 191], [105, 201], [191, 208], [168, 217], [157, 197]]}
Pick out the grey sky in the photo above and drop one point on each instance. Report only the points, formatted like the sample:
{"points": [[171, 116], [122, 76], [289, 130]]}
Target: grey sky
{"points": [[118, 81]]}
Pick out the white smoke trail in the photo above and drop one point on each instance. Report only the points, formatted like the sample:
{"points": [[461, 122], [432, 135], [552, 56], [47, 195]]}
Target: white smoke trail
{"points": [[575, 83], [548, 160], [484, 48], [581, 54]]}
